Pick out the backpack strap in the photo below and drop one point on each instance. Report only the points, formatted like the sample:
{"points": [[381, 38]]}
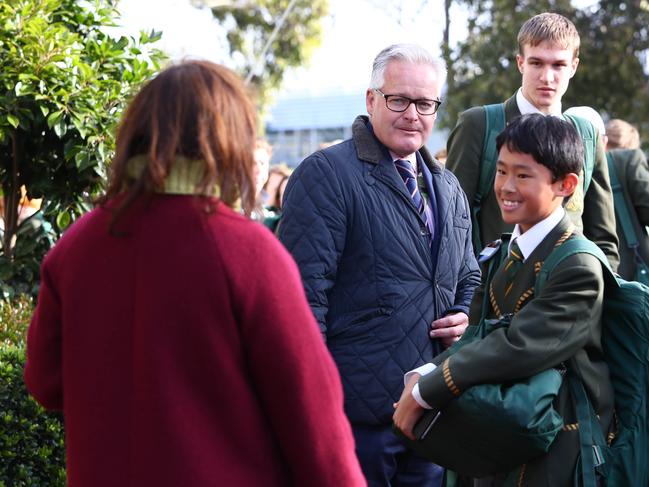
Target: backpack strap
{"points": [[494, 124], [592, 443], [591, 437], [588, 136], [572, 246], [621, 209]]}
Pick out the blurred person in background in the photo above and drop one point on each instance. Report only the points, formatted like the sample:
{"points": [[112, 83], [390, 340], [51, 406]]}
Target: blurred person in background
{"points": [[622, 135], [629, 175], [263, 154], [172, 330], [632, 173], [273, 194]]}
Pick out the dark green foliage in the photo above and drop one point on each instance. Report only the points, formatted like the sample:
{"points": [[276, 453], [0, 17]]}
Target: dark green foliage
{"points": [[63, 85], [32, 451], [610, 76]]}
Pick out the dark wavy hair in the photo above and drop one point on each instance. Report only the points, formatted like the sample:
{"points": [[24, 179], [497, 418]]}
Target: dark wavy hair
{"points": [[197, 110]]}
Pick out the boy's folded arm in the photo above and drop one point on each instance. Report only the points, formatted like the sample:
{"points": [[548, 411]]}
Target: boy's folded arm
{"points": [[550, 329]]}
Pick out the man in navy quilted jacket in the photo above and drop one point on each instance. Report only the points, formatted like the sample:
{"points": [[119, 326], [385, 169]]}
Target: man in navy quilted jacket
{"points": [[381, 233]]}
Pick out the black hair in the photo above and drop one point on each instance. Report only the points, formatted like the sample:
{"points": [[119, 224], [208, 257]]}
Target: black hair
{"points": [[551, 141]]}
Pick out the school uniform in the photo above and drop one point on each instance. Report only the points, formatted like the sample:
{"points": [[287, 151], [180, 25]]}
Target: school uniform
{"points": [[633, 174], [593, 213], [562, 325]]}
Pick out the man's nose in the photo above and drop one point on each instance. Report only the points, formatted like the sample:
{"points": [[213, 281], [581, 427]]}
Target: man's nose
{"points": [[547, 74], [411, 112]]}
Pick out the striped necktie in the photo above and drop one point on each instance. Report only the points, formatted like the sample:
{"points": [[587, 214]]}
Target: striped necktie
{"points": [[407, 173], [512, 264]]}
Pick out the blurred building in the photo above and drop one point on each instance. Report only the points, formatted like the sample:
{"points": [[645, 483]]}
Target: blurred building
{"points": [[298, 124]]}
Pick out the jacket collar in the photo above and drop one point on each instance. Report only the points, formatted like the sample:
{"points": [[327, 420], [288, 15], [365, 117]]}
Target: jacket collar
{"points": [[369, 149], [511, 108]]}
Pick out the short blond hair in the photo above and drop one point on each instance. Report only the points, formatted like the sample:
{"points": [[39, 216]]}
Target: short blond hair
{"points": [[622, 135], [549, 27]]}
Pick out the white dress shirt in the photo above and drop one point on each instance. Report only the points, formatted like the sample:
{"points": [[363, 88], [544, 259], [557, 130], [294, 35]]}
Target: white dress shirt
{"points": [[525, 106]]}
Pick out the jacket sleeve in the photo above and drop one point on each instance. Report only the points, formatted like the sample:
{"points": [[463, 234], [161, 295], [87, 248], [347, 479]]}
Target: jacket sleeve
{"points": [[469, 274], [44, 367], [549, 330], [313, 229], [294, 375], [464, 148], [599, 213], [637, 182]]}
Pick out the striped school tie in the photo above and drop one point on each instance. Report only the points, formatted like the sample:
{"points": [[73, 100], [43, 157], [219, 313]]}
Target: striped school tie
{"points": [[512, 264], [407, 173]]}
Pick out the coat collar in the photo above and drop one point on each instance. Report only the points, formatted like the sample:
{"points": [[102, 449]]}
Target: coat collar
{"points": [[369, 149], [511, 108]]}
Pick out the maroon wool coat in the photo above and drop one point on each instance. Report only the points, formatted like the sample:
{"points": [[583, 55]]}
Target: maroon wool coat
{"points": [[185, 353]]}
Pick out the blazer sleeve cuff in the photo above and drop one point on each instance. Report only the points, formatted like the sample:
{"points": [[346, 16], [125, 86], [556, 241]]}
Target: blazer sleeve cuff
{"points": [[439, 387]]}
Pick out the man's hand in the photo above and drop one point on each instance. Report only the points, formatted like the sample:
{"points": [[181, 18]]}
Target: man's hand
{"points": [[407, 411], [450, 328]]}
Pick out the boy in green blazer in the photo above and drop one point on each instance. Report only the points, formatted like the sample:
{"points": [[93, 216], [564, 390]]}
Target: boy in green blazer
{"points": [[548, 56], [539, 159]]}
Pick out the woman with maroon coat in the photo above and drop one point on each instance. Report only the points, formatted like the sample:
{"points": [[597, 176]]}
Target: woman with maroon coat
{"points": [[172, 331]]}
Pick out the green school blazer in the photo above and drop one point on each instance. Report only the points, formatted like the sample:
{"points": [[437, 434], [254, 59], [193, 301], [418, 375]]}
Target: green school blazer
{"points": [[593, 214], [560, 326], [633, 173]]}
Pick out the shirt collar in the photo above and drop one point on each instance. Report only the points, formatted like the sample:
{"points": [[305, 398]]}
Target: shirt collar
{"points": [[525, 107], [531, 239], [412, 159]]}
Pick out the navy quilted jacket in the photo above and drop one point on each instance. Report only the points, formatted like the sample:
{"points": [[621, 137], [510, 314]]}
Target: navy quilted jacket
{"points": [[370, 277]]}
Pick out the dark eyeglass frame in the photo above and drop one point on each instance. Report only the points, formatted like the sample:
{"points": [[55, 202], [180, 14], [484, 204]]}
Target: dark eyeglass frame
{"points": [[436, 102]]}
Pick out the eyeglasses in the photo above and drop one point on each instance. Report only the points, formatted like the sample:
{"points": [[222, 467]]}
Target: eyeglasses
{"points": [[398, 103]]}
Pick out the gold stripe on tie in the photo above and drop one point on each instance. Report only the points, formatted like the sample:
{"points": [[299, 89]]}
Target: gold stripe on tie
{"points": [[515, 254], [509, 288]]}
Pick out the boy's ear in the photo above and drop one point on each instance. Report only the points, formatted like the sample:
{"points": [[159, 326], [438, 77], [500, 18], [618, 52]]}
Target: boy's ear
{"points": [[567, 185]]}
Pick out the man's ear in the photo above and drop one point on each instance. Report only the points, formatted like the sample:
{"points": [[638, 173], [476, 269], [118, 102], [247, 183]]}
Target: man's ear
{"points": [[574, 64], [567, 185], [520, 60], [370, 99]]}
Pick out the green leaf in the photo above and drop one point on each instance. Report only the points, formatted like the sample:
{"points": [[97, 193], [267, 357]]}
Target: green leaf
{"points": [[13, 120], [54, 118], [63, 220]]}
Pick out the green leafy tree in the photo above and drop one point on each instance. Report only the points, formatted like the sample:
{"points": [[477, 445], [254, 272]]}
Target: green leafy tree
{"points": [[610, 77], [63, 85], [249, 29]]}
